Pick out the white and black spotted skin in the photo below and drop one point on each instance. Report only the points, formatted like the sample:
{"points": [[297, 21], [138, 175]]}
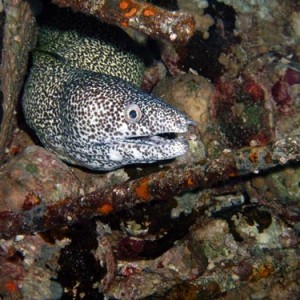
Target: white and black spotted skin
{"points": [[91, 117]]}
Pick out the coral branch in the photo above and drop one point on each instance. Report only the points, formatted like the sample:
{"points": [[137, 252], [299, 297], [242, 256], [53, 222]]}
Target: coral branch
{"points": [[159, 186], [174, 26]]}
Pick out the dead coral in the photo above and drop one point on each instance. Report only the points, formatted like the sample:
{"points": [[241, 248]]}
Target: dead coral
{"points": [[18, 40], [151, 20], [158, 186]]}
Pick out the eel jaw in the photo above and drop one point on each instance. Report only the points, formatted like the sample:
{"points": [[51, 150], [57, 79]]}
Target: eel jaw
{"points": [[148, 149], [117, 154]]}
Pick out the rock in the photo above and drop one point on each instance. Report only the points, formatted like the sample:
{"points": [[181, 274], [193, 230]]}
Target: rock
{"points": [[28, 267], [214, 241], [33, 176], [191, 94], [157, 275], [282, 185], [196, 8]]}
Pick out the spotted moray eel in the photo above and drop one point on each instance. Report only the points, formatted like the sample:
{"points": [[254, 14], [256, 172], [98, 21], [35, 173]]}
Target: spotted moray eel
{"points": [[82, 100]]}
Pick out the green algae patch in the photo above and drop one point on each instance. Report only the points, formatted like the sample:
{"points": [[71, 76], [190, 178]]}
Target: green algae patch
{"points": [[32, 168]]}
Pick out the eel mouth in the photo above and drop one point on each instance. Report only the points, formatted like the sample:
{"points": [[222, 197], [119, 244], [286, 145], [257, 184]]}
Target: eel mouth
{"points": [[164, 138], [155, 140], [143, 149]]}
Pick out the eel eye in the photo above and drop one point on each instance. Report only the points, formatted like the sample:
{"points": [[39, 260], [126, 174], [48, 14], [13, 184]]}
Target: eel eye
{"points": [[132, 113]]}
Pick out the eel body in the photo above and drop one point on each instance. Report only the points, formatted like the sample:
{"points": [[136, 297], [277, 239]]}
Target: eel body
{"points": [[82, 100]]}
